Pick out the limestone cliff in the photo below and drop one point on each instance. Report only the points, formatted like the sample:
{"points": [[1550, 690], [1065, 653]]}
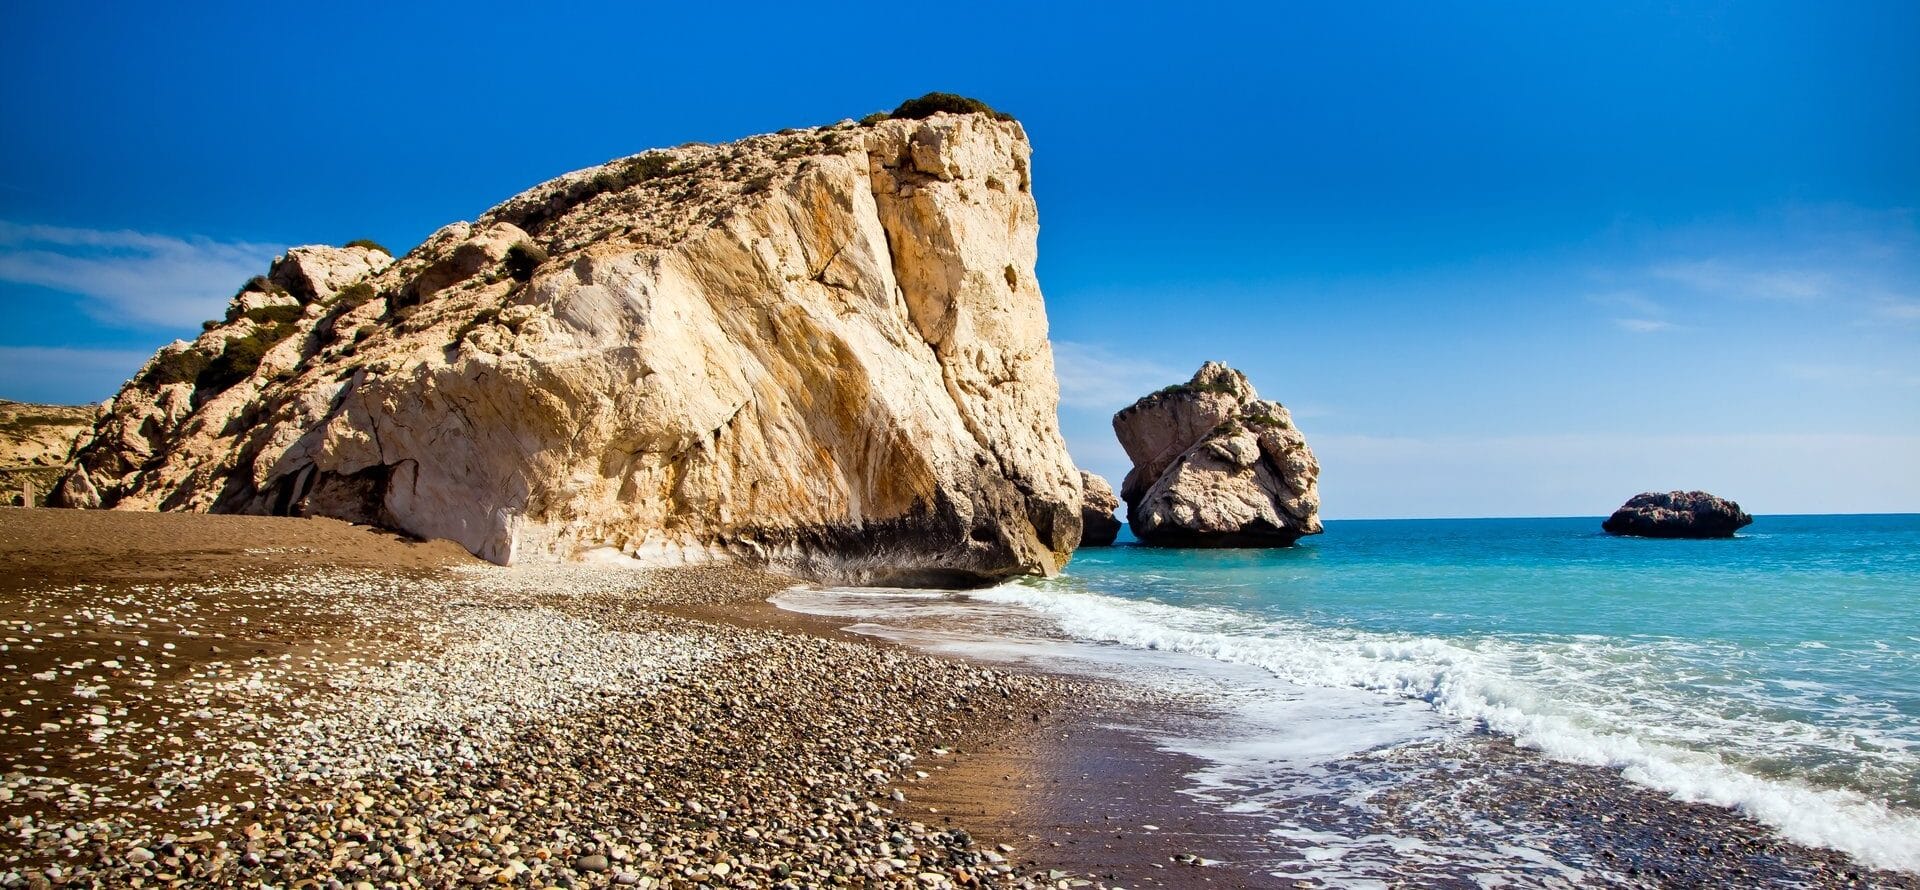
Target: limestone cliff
{"points": [[1214, 465], [35, 441], [822, 350]]}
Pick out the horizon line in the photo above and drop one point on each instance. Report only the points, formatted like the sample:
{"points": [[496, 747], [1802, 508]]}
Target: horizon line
{"points": [[1598, 516]]}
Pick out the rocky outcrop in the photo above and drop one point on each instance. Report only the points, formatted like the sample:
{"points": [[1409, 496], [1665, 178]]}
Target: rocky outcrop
{"points": [[35, 442], [1214, 465], [1677, 514], [41, 435], [824, 351], [1098, 525]]}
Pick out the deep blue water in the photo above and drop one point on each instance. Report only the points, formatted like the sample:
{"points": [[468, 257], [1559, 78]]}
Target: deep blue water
{"points": [[1842, 580]]}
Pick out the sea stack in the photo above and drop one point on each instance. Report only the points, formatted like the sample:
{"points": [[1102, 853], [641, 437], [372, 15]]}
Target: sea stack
{"points": [[1098, 525], [1677, 514], [823, 351], [1214, 465]]}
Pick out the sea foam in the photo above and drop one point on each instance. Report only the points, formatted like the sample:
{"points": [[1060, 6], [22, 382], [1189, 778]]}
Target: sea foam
{"points": [[1584, 699]]}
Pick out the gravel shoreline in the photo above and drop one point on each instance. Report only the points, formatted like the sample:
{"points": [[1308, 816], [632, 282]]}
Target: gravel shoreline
{"points": [[471, 725]]}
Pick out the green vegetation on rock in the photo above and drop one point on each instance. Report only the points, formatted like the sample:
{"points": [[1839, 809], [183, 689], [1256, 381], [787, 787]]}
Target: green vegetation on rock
{"points": [[933, 103], [273, 314], [240, 358], [176, 367], [630, 172], [486, 317], [356, 294], [523, 259], [1266, 421], [1185, 388], [263, 284], [23, 423]]}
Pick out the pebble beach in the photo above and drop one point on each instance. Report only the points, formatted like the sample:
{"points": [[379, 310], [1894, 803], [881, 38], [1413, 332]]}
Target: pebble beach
{"points": [[302, 717]]}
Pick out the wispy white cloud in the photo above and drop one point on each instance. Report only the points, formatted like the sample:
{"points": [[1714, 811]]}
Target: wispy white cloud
{"points": [[1743, 279], [128, 277], [1643, 315], [1629, 301], [1851, 374], [1851, 265], [1898, 309], [1373, 476], [1095, 377]]}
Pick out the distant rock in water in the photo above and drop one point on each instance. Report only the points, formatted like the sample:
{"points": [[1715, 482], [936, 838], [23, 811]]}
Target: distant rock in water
{"points": [[1214, 465], [823, 351], [1677, 514], [1098, 525]]}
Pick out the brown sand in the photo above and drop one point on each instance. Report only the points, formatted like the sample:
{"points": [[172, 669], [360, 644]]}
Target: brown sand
{"points": [[42, 547]]}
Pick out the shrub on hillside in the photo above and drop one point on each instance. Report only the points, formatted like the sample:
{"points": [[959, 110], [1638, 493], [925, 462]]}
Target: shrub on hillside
{"points": [[262, 284], [631, 171], [1263, 421], [356, 294], [241, 358], [176, 367], [369, 244], [933, 103], [523, 258], [273, 314]]}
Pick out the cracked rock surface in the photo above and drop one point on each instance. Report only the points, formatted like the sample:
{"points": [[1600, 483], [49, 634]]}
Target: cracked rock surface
{"points": [[822, 351], [1215, 465]]}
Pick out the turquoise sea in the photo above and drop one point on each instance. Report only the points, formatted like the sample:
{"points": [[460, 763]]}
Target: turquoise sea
{"points": [[1777, 672]]}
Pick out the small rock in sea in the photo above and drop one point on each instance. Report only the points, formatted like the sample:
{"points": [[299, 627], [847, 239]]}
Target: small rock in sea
{"points": [[1677, 514], [1214, 465], [1098, 526]]}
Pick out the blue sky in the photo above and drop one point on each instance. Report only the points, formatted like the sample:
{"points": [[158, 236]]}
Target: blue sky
{"points": [[1504, 259]]}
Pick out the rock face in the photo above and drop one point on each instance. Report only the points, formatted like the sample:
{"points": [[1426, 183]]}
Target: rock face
{"points": [[824, 351], [41, 435], [35, 441], [1098, 525], [1214, 465], [1677, 514]]}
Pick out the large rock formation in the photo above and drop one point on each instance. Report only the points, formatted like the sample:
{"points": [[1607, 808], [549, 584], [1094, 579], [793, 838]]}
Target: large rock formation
{"points": [[1677, 514], [1098, 525], [823, 350], [1216, 466]]}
